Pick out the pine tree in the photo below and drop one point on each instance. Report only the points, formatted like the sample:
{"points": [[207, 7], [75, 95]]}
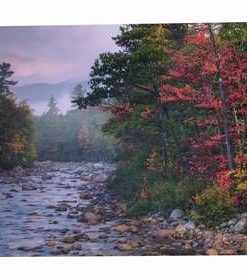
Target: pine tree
{"points": [[52, 107]]}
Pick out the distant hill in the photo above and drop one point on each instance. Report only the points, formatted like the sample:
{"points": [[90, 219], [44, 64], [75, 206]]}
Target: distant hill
{"points": [[37, 95]]}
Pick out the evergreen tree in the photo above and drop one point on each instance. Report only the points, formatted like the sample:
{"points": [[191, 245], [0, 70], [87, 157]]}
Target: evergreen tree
{"points": [[16, 126], [5, 81]]}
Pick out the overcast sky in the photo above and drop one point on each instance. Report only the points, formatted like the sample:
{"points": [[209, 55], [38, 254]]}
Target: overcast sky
{"points": [[54, 53]]}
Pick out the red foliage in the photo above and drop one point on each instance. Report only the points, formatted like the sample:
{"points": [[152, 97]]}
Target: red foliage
{"points": [[193, 80]]}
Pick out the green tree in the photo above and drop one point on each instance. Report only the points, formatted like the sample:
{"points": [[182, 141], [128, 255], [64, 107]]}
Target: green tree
{"points": [[77, 93], [16, 126], [5, 81]]}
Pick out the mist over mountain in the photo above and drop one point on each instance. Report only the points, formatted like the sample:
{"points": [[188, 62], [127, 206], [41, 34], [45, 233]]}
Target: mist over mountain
{"points": [[38, 94]]}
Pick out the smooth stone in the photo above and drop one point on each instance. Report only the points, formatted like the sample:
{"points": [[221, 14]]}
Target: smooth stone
{"points": [[91, 218], [125, 247], [176, 214], [121, 228], [50, 243], [241, 226]]}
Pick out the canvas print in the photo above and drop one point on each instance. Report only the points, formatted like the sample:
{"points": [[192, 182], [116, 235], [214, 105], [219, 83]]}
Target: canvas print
{"points": [[126, 140]]}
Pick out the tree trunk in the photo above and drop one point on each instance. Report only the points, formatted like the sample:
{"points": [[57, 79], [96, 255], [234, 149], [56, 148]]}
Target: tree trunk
{"points": [[223, 98]]}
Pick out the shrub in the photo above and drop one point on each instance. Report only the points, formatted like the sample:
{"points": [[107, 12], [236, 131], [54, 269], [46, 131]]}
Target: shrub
{"points": [[140, 208], [171, 193], [213, 206]]}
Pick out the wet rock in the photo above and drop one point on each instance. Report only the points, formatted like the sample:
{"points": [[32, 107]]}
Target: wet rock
{"points": [[91, 218], [133, 229], [102, 178], [14, 190], [232, 222], [8, 195], [241, 226], [50, 242], [125, 247], [103, 236], [54, 222], [69, 239], [212, 252], [176, 214], [76, 247], [28, 188], [244, 216], [122, 228], [163, 234], [81, 237], [122, 240], [30, 247], [62, 207], [46, 177], [86, 195]]}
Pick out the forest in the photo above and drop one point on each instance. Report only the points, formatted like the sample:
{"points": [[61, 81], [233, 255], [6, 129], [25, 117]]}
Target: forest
{"points": [[172, 104]]}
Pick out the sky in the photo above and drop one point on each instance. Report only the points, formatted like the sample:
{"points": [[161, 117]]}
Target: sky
{"points": [[54, 53]]}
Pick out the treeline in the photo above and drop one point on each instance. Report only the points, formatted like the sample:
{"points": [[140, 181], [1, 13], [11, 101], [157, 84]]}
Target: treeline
{"points": [[16, 126], [177, 93], [75, 136]]}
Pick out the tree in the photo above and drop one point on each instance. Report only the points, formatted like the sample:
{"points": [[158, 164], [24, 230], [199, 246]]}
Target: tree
{"points": [[16, 126], [5, 82], [217, 96], [53, 110], [77, 94]]}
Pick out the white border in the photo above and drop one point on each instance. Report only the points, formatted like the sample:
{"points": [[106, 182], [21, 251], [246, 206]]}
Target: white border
{"points": [[48, 12], [58, 12]]}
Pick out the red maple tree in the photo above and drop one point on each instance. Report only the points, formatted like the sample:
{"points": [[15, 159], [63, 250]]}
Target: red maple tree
{"points": [[211, 77]]}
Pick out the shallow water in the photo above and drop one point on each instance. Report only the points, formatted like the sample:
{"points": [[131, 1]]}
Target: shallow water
{"points": [[28, 218]]}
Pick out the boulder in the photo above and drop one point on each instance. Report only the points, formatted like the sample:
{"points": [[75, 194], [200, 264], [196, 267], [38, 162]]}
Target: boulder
{"points": [[190, 226], [241, 226], [176, 215]]}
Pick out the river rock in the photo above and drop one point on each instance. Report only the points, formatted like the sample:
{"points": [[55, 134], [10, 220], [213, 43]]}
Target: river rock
{"points": [[162, 234], [46, 177], [212, 252], [50, 242], [69, 239], [176, 215], [190, 226], [241, 226], [125, 247], [133, 229], [91, 218], [102, 178], [86, 195], [232, 222], [81, 236], [122, 228], [62, 207], [28, 188]]}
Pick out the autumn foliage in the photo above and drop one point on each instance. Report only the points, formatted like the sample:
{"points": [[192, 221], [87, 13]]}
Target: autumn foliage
{"points": [[200, 71]]}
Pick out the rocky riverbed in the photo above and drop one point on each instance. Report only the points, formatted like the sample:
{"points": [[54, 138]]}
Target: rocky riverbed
{"points": [[58, 209]]}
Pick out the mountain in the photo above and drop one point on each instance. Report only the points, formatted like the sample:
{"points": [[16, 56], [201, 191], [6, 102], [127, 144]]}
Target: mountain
{"points": [[37, 95]]}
